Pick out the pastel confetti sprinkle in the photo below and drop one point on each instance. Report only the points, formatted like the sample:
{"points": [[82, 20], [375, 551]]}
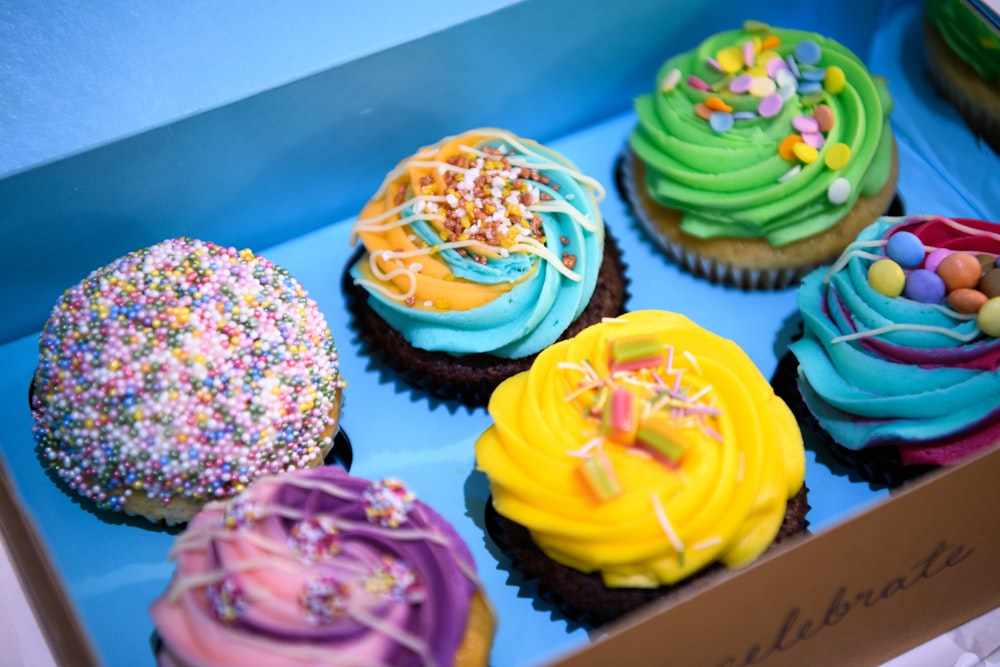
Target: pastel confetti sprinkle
{"points": [[702, 111], [791, 173], [808, 52], [762, 86], [716, 103], [804, 123], [786, 146], [749, 51], [721, 121], [824, 117], [814, 139], [774, 65], [770, 105], [730, 59], [837, 156], [835, 80], [814, 75], [744, 115], [696, 82], [741, 84], [839, 191], [807, 87], [671, 80], [805, 152]]}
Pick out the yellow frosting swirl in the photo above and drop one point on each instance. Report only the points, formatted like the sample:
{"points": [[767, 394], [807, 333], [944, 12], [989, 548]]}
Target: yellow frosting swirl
{"points": [[719, 495]]}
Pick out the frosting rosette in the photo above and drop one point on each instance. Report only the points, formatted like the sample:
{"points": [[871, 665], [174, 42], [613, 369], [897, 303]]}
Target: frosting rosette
{"points": [[482, 243], [764, 132], [313, 567], [645, 449], [910, 362]]}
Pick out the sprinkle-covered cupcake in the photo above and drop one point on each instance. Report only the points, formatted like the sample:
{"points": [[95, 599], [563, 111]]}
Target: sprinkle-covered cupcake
{"points": [[898, 359], [478, 252], [760, 154], [180, 373], [963, 57], [319, 567], [640, 456]]}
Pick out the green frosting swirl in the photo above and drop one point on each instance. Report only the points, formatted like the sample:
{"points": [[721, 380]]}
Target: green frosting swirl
{"points": [[967, 35], [734, 183]]}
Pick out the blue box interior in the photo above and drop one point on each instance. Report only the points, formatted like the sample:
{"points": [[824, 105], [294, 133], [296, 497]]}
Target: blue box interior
{"points": [[292, 199]]}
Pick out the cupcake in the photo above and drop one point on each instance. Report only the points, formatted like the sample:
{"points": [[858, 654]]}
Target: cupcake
{"points": [[477, 253], [178, 374], [759, 155], [642, 456], [319, 567], [897, 363], [963, 58]]}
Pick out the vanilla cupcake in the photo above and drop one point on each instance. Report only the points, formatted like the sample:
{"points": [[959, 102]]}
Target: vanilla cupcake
{"points": [[478, 252], [963, 58], [760, 154]]}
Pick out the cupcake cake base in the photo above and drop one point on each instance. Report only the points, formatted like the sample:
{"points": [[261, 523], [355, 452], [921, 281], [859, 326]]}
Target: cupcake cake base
{"points": [[470, 379], [750, 264], [571, 591]]}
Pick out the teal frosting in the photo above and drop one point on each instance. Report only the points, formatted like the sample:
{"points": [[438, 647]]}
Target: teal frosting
{"points": [[542, 303]]}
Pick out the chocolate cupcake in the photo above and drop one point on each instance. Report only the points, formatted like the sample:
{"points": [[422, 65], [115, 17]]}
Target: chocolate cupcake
{"points": [[640, 457], [897, 363], [478, 252]]}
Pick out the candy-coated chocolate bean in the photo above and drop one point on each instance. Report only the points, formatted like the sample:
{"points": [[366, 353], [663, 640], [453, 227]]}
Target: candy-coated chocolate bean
{"points": [[886, 277], [989, 284], [934, 258], [959, 269], [924, 286], [966, 300], [906, 249], [989, 317]]}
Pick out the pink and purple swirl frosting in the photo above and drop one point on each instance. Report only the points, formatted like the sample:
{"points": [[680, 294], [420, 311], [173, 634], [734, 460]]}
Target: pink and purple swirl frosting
{"points": [[884, 371], [314, 564]]}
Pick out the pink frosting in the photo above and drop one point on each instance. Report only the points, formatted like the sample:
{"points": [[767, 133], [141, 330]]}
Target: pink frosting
{"points": [[315, 564]]}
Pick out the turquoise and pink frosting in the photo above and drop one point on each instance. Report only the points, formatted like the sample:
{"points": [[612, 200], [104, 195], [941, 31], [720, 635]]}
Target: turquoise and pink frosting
{"points": [[891, 371], [314, 564]]}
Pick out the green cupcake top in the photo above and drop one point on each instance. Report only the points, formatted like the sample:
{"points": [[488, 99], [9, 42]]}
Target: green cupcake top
{"points": [[764, 133]]}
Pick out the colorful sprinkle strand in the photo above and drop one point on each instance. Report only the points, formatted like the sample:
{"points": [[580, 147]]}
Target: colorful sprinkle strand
{"points": [[645, 404], [755, 69], [183, 369]]}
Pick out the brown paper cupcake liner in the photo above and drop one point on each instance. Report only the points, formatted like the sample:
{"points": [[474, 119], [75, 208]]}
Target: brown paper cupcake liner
{"points": [[879, 466], [470, 379], [977, 101], [661, 227], [582, 597]]}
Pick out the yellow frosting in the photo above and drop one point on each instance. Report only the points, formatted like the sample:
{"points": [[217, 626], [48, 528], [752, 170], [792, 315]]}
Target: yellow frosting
{"points": [[724, 498]]}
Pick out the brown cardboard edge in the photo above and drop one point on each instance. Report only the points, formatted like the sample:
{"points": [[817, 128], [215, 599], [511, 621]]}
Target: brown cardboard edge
{"points": [[863, 591], [53, 610]]}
